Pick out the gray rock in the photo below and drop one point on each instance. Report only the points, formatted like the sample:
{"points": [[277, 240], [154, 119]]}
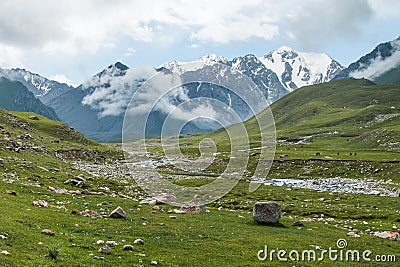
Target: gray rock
{"points": [[194, 206], [34, 118], [267, 212], [105, 250], [138, 242], [1, 163], [128, 247], [118, 213]]}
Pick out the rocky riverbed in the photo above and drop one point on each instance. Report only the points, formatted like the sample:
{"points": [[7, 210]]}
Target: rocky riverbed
{"points": [[337, 184]]}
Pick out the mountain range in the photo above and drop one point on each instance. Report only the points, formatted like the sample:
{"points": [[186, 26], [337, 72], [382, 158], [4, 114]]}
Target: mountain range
{"points": [[97, 107]]}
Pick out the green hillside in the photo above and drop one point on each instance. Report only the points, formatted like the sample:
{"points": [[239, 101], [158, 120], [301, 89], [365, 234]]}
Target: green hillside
{"points": [[390, 77], [346, 106], [342, 128]]}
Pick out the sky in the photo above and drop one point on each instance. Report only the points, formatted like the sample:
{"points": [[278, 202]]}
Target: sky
{"points": [[71, 40]]}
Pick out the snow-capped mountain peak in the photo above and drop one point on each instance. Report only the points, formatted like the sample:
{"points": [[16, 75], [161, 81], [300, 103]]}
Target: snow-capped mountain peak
{"points": [[180, 67], [43, 88], [212, 59], [297, 69]]}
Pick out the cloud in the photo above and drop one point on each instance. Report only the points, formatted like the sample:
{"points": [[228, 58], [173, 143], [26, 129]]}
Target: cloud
{"points": [[379, 66], [71, 27], [318, 22], [61, 78], [112, 94], [74, 28], [10, 57]]}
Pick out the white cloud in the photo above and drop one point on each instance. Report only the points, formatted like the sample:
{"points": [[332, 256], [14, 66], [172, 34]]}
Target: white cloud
{"points": [[379, 66], [62, 79], [315, 23], [10, 56], [112, 94], [74, 27], [385, 8]]}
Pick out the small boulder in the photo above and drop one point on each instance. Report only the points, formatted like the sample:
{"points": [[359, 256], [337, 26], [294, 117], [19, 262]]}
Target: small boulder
{"points": [[128, 247], [118, 213], [153, 262], [48, 232], [90, 214], [297, 223], [267, 212], [194, 206], [105, 250], [5, 252], [111, 243], [40, 203], [11, 192], [34, 118], [138, 242], [75, 211]]}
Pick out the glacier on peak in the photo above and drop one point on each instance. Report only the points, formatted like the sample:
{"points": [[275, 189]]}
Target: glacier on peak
{"points": [[296, 69]]}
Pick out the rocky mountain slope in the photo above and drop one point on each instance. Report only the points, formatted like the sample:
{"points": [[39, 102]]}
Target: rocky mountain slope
{"points": [[15, 96], [43, 88]]}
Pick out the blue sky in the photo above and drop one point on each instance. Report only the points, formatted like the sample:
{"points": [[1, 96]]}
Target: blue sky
{"points": [[72, 40]]}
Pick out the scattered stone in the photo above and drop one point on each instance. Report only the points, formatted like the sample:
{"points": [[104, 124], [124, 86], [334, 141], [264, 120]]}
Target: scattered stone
{"points": [[5, 252], [194, 206], [48, 232], [118, 213], [34, 118], [75, 182], [297, 223], [156, 208], [138, 242], [179, 211], [153, 262], [3, 237], [164, 198], [111, 243], [61, 191], [85, 192], [267, 212], [283, 156], [353, 234], [172, 217], [105, 250], [395, 236], [1, 163], [99, 258], [11, 192], [91, 214], [99, 242], [75, 211], [128, 247], [40, 203]]}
